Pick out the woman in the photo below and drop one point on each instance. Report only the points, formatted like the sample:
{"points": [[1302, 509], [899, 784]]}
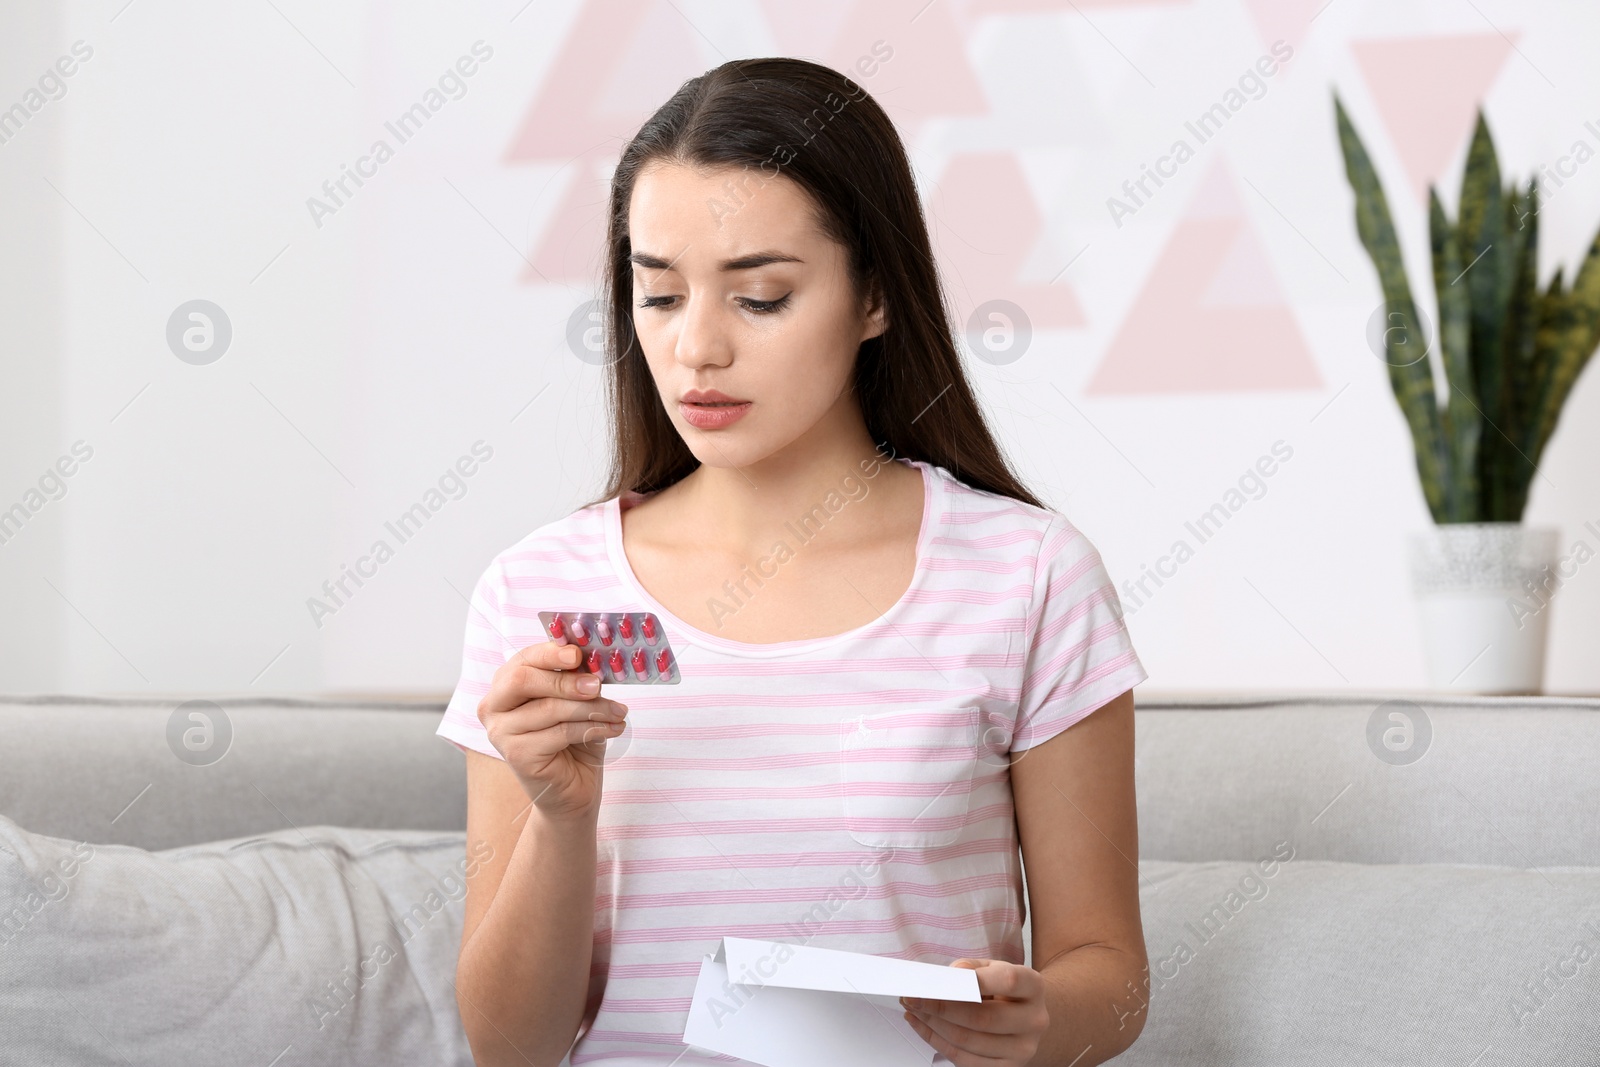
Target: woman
{"points": [[874, 622]]}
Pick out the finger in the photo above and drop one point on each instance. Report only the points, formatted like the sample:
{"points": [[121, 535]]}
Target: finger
{"points": [[525, 676], [544, 713], [548, 656], [990, 1017], [518, 682], [559, 675], [542, 744], [997, 978], [592, 735], [959, 1054]]}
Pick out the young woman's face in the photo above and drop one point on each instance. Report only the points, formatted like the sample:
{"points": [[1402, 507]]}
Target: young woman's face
{"points": [[746, 298]]}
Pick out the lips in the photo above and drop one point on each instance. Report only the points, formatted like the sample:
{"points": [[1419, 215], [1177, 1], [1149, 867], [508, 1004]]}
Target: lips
{"points": [[709, 398], [709, 409]]}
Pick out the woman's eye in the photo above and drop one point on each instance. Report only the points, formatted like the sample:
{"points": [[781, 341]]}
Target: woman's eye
{"points": [[767, 307], [760, 307]]}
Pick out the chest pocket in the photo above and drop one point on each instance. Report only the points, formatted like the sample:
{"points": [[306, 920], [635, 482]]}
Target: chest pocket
{"points": [[907, 776]]}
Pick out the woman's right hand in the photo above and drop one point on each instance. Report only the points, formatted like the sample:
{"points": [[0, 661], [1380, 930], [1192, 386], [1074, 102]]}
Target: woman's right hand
{"points": [[548, 720]]}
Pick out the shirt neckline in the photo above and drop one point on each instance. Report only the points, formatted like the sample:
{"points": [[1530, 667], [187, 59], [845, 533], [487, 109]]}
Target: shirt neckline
{"points": [[932, 525]]}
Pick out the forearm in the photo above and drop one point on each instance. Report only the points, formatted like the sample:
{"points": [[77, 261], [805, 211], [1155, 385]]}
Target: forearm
{"points": [[1096, 998], [523, 978]]}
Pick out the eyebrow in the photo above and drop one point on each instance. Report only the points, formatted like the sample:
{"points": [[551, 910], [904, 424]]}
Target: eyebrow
{"points": [[749, 262]]}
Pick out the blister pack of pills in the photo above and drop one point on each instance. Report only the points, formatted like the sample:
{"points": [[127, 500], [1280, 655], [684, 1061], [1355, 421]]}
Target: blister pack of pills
{"points": [[624, 647]]}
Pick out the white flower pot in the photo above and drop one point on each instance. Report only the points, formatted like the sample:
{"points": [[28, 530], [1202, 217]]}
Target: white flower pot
{"points": [[1483, 593]]}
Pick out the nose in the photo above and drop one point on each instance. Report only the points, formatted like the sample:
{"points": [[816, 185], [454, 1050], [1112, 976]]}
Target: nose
{"points": [[702, 335]]}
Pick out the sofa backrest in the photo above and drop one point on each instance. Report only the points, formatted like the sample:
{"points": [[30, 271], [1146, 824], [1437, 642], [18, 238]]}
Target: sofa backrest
{"points": [[103, 770], [1512, 782], [1503, 781]]}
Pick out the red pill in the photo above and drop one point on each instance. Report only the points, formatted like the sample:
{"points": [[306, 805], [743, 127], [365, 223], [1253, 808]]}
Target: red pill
{"points": [[664, 662], [650, 628], [603, 630], [619, 668], [558, 632], [579, 634], [641, 665], [594, 661], [625, 627]]}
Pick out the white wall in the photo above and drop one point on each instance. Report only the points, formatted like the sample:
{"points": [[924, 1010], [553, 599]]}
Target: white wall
{"points": [[371, 351]]}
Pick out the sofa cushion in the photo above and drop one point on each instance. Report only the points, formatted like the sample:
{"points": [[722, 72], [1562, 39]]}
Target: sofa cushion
{"points": [[337, 945], [1290, 961], [313, 945]]}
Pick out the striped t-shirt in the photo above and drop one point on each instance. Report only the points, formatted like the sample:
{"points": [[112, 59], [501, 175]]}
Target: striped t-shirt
{"points": [[847, 792]]}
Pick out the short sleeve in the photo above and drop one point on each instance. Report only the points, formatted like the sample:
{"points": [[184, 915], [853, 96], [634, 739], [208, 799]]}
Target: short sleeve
{"points": [[484, 649], [1078, 653]]}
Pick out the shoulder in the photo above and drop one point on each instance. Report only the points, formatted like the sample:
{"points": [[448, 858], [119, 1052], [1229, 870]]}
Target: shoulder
{"points": [[1049, 566], [994, 522], [560, 551], [572, 538]]}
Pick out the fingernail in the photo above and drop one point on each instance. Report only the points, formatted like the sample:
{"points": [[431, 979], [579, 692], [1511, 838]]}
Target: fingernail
{"points": [[588, 684]]}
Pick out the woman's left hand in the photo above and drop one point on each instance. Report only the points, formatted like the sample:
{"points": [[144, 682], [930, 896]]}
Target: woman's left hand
{"points": [[1002, 1031]]}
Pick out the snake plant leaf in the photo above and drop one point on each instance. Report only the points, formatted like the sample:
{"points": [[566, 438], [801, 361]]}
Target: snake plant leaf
{"points": [[1481, 229], [1521, 303], [1461, 422], [1411, 378], [1557, 317], [1575, 332]]}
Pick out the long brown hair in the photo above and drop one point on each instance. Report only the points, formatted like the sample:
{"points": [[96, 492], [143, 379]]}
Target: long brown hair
{"points": [[821, 130]]}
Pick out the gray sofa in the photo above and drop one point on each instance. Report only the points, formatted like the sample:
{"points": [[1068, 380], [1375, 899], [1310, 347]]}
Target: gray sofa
{"points": [[1313, 893]]}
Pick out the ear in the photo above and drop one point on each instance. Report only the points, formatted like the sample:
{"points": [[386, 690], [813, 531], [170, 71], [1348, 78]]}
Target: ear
{"points": [[877, 317]]}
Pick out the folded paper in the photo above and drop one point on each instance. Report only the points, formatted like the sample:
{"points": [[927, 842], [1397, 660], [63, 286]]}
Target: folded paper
{"points": [[782, 1005]]}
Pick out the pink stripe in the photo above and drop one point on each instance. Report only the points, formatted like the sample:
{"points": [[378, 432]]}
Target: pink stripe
{"points": [[919, 951], [484, 654], [679, 1005], [1068, 659], [801, 894], [766, 931], [987, 541], [565, 554], [637, 1037], [968, 596], [917, 857], [629, 971], [1064, 619], [552, 585], [824, 791], [823, 824], [1039, 725], [473, 687], [786, 760], [684, 1058], [656, 697], [995, 510], [730, 730], [962, 564], [845, 698]]}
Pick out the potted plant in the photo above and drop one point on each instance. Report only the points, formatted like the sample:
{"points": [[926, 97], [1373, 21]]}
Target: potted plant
{"points": [[1508, 355]]}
